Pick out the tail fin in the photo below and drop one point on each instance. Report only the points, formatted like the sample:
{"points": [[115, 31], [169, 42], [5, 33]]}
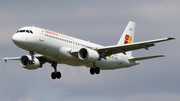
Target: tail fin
{"points": [[128, 36]]}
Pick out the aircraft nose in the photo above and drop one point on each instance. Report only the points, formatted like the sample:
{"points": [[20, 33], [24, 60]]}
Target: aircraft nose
{"points": [[16, 38]]}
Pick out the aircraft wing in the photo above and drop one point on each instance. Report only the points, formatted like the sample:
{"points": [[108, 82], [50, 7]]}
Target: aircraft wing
{"points": [[109, 50]]}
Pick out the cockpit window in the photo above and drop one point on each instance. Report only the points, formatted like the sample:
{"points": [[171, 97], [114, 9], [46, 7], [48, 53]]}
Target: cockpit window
{"points": [[28, 31], [31, 31], [22, 31], [17, 31]]}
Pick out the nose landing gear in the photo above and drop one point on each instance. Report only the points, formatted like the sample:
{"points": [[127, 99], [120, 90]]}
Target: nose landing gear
{"points": [[32, 57]]}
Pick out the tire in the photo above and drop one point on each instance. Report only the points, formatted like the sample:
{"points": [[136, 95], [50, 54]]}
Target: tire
{"points": [[58, 75], [92, 71], [97, 70], [53, 75]]}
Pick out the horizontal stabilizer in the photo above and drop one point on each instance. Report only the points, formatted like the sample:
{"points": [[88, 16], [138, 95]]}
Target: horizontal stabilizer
{"points": [[13, 58], [18, 58], [147, 57]]}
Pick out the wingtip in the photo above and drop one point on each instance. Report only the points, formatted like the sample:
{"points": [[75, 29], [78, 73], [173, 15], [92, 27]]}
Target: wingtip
{"points": [[162, 55], [5, 59], [171, 38], [177, 38]]}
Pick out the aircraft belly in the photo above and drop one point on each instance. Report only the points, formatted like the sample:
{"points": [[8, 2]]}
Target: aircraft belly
{"points": [[114, 64], [67, 61]]}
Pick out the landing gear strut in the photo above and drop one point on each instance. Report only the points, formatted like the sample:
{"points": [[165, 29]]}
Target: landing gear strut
{"points": [[94, 70], [55, 74], [32, 57]]}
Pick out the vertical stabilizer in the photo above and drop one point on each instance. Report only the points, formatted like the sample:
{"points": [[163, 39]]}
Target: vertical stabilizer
{"points": [[128, 36]]}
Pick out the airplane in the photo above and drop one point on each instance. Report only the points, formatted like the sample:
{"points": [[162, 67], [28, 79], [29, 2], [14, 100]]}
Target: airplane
{"points": [[52, 47]]}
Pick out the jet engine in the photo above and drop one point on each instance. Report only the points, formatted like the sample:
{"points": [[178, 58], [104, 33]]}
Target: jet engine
{"points": [[88, 55], [27, 62]]}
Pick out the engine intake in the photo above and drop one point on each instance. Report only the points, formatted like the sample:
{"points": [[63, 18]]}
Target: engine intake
{"points": [[25, 62], [88, 55]]}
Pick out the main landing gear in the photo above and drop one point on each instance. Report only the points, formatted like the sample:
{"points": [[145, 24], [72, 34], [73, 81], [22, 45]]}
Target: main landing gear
{"points": [[55, 74], [94, 70]]}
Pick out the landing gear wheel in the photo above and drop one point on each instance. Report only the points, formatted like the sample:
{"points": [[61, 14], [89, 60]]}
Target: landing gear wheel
{"points": [[55, 75], [97, 70], [92, 71], [58, 75]]}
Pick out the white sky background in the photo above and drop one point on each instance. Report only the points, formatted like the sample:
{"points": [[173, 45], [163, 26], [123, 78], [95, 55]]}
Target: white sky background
{"points": [[102, 22]]}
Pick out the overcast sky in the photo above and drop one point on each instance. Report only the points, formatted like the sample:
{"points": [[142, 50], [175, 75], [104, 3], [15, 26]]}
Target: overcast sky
{"points": [[102, 22]]}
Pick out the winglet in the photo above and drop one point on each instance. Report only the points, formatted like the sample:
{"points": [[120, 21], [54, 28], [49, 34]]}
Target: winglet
{"points": [[177, 38]]}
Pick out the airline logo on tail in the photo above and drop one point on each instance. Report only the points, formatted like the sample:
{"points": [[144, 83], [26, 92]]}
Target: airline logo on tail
{"points": [[128, 39]]}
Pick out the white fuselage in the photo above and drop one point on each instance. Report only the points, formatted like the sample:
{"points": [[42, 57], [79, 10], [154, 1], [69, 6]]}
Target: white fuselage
{"points": [[57, 47]]}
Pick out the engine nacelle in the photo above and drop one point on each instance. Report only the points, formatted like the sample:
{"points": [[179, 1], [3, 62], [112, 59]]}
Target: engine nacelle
{"points": [[88, 55], [24, 62]]}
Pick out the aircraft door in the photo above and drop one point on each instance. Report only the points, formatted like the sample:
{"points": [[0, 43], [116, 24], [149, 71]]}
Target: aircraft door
{"points": [[41, 35]]}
